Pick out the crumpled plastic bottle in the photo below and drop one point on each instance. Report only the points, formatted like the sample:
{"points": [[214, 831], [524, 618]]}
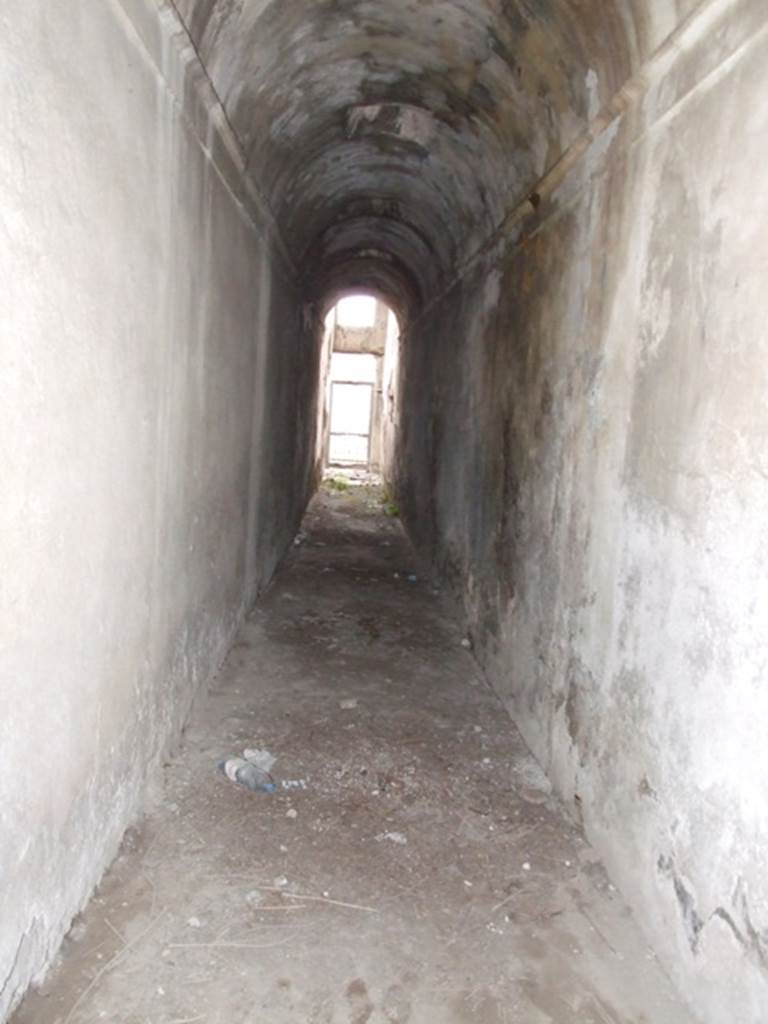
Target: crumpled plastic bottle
{"points": [[247, 774]]}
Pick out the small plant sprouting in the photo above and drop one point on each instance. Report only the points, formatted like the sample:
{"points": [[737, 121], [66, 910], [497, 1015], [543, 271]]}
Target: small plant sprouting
{"points": [[388, 505], [337, 484]]}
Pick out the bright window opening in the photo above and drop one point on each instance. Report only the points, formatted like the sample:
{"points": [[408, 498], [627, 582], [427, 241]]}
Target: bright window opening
{"points": [[356, 311], [353, 366], [357, 420]]}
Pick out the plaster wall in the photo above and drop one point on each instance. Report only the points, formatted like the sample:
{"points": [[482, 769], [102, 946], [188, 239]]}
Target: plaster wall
{"points": [[364, 339], [391, 409], [583, 453], [157, 451]]}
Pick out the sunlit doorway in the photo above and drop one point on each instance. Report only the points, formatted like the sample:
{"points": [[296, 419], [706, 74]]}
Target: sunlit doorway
{"points": [[362, 338]]}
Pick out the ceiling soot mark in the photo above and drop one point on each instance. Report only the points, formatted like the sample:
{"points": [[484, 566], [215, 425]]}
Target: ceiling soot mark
{"points": [[390, 137]]}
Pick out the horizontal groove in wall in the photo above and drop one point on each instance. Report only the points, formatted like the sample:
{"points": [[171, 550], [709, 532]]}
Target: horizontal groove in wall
{"points": [[170, 50], [691, 31]]}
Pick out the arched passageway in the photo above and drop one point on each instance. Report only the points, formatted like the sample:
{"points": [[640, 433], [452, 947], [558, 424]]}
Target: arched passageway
{"points": [[557, 201], [358, 374]]}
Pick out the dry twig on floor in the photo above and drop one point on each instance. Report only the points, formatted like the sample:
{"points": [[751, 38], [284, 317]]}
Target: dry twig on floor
{"points": [[114, 930], [316, 899], [229, 945], [127, 946]]}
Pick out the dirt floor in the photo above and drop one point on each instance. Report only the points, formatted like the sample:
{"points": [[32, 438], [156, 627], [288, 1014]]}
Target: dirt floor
{"points": [[412, 865]]}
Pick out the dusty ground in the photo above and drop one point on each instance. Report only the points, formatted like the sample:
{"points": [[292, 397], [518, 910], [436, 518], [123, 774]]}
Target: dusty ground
{"points": [[418, 870]]}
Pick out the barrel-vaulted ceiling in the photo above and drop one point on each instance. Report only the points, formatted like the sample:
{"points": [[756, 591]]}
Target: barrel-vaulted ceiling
{"points": [[389, 136]]}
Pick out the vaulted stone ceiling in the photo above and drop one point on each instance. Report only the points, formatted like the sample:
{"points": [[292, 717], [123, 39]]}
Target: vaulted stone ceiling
{"points": [[389, 136]]}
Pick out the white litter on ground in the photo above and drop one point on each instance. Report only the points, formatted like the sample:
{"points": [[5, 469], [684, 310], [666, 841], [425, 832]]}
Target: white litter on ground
{"points": [[393, 837], [261, 758]]}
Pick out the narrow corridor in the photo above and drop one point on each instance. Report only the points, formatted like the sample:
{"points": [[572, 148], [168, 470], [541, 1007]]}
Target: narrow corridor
{"points": [[412, 865]]}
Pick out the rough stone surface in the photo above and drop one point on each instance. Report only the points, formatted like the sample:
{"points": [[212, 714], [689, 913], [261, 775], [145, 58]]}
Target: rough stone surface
{"points": [[413, 865], [583, 455], [154, 460], [390, 139], [561, 201]]}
